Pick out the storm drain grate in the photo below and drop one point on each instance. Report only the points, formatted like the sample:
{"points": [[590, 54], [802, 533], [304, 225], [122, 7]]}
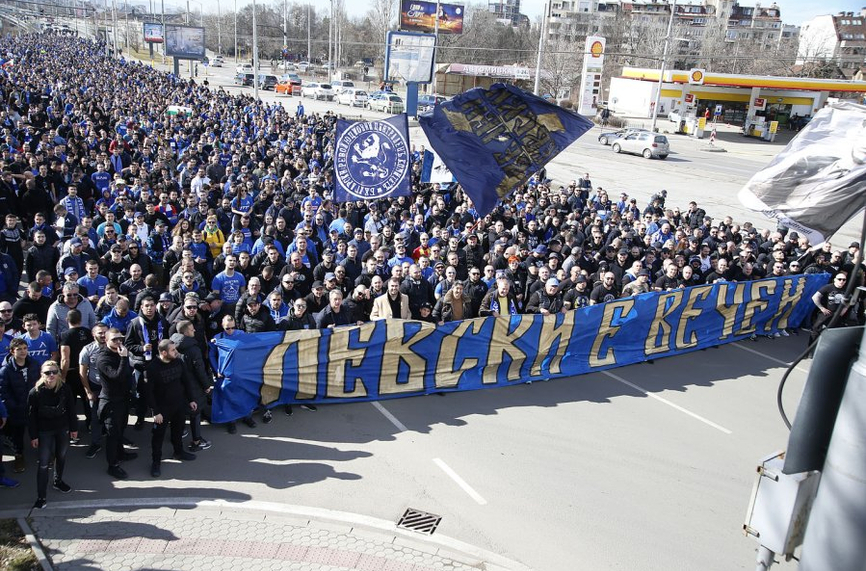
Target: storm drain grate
{"points": [[418, 521]]}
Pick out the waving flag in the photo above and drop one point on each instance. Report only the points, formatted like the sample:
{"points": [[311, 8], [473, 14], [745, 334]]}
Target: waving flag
{"points": [[817, 182], [493, 140], [371, 159]]}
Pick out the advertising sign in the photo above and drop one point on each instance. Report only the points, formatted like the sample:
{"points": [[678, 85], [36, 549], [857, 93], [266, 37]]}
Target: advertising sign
{"points": [[593, 62], [409, 57], [153, 32], [690, 97], [420, 16], [696, 76], [184, 41], [760, 103]]}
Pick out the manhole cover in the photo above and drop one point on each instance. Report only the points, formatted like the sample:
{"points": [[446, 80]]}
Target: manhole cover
{"points": [[418, 521]]}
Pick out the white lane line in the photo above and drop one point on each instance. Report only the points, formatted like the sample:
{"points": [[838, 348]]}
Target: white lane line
{"points": [[759, 354], [667, 402], [460, 481], [387, 414]]}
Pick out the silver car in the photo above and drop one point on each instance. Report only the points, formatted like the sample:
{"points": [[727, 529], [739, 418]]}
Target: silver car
{"points": [[610, 136], [647, 144]]}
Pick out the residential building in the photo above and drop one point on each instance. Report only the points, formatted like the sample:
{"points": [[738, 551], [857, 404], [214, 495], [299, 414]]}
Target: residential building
{"points": [[838, 39]]}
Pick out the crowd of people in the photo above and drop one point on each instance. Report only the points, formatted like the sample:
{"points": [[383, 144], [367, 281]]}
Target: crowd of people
{"points": [[143, 236]]}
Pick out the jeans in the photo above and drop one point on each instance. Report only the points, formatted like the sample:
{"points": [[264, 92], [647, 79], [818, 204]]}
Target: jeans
{"points": [[74, 382], [96, 425], [54, 443]]}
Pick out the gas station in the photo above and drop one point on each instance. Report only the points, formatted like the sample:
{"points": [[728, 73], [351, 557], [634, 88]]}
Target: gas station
{"points": [[754, 102]]}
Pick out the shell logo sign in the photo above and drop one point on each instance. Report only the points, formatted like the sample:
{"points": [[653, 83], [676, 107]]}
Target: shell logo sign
{"points": [[696, 76], [596, 49]]}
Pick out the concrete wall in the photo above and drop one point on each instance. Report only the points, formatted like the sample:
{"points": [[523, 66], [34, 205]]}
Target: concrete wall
{"points": [[632, 97]]}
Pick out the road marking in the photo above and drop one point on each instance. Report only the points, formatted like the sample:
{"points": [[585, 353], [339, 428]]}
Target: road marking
{"points": [[667, 402], [460, 481], [758, 353], [387, 414]]}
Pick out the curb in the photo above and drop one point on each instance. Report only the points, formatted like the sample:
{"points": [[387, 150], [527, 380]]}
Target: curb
{"points": [[35, 545], [713, 149], [456, 549]]}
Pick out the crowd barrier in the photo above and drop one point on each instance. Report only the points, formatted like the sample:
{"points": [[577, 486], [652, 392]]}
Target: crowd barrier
{"points": [[397, 358]]}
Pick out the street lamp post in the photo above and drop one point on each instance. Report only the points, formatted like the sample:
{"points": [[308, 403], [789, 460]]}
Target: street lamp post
{"points": [[330, 39], [655, 110], [537, 87], [236, 31], [219, 30]]}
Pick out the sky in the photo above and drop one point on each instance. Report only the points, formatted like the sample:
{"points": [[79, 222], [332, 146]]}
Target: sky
{"points": [[793, 11]]}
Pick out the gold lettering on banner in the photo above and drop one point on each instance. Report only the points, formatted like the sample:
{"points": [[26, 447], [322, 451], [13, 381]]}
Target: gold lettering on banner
{"points": [[552, 333], [308, 364], [307, 348], [501, 344], [729, 312], [792, 291], [606, 331], [696, 294], [397, 351], [663, 311], [757, 303], [341, 357], [447, 371]]}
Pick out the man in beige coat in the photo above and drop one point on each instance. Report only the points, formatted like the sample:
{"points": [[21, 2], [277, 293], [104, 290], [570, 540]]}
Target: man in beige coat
{"points": [[385, 305]]}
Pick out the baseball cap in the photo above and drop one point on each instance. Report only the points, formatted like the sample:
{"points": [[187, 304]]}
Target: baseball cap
{"points": [[330, 276], [854, 245], [540, 249], [439, 263], [643, 273], [581, 279], [694, 259], [552, 282], [359, 230], [159, 222], [317, 284], [75, 242], [69, 271], [165, 297], [623, 251]]}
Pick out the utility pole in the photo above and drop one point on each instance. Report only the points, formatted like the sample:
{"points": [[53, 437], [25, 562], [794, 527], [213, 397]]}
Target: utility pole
{"points": [[664, 65], [285, 24], [114, 25], [126, 16], [236, 31], [330, 39], [541, 41], [219, 30], [163, 31], [255, 54], [309, 37]]}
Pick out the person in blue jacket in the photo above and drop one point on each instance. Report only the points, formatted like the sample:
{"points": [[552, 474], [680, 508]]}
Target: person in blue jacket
{"points": [[120, 316]]}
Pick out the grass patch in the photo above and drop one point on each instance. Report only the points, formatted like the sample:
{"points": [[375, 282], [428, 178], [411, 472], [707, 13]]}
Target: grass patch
{"points": [[15, 552]]}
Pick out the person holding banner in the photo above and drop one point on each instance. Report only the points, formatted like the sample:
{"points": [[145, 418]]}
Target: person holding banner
{"points": [[453, 306], [500, 300]]}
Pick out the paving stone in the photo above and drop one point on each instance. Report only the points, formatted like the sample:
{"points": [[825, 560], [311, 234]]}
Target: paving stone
{"points": [[149, 545], [367, 562], [398, 566], [91, 546], [125, 545], [291, 552]]}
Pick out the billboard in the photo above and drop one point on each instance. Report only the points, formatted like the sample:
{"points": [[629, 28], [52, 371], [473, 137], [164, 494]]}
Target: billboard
{"points": [[184, 41], [153, 32], [420, 16], [593, 63], [409, 57]]}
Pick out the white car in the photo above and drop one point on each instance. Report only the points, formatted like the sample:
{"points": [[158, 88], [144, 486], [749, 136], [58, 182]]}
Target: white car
{"points": [[218, 61], [244, 68], [303, 66], [646, 144], [340, 84], [318, 91], [353, 97]]}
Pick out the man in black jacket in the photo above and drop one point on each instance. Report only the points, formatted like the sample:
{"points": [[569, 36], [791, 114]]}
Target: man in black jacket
{"points": [[201, 382], [169, 394], [116, 375], [143, 335]]}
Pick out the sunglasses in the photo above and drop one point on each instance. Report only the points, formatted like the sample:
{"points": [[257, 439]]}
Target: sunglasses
{"points": [[228, 329], [190, 307], [115, 340], [50, 372]]}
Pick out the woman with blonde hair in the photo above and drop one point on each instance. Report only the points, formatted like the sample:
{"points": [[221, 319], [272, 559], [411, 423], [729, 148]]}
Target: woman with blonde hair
{"points": [[51, 421]]}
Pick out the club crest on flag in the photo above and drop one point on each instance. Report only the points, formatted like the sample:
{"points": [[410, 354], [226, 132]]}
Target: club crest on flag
{"points": [[371, 159]]}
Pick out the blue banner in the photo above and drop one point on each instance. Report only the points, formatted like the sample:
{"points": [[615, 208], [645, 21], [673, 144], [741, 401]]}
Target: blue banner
{"points": [[493, 140], [372, 159], [395, 358]]}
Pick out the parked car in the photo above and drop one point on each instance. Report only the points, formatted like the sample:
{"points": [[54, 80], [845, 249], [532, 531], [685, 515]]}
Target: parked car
{"points": [[217, 61], [386, 102], [318, 91], [610, 136], [647, 144], [303, 66], [428, 101], [292, 78], [268, 81], [352, 96], [244, 68], [244, 79], [284, 88], [340, 84]]}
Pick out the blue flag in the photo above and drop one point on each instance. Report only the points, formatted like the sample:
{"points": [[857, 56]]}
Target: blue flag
{"points": [[493, 140], [372, 160]]}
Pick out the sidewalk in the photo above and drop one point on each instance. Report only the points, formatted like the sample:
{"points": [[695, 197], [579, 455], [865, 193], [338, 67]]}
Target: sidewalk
{"points": [[210, 535]]}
